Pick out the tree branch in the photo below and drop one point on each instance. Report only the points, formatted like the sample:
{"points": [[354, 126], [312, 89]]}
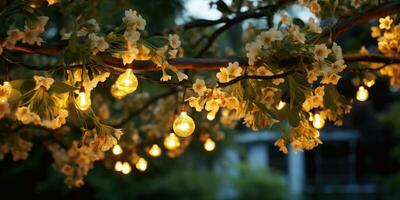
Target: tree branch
{"points": [[282, 75]]}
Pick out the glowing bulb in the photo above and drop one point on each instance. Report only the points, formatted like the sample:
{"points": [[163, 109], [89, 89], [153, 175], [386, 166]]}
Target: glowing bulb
{"points": [[369, 83], [211, 116], [117, 93], [155, 150], [281, 105], [362, 94], [127, 81], [183, 125], [126, 168], [318, 121], [171, 142], [118, 166], [209, 144], [117, 150], [5, 91], [141, 164], [83, 101]]}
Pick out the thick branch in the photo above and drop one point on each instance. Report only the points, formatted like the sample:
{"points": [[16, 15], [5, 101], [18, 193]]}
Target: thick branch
{"points": [[344, 25]]}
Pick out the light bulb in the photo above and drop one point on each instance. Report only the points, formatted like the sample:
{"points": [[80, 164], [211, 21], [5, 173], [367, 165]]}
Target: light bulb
{"points": [[209, 144], [369, 83], [83, 101], [318, 121], [171, 142], [127, 81], [5, 91], [362, 94], [141, 164], [126, 168], [211, 115], [116, 92], [155, 150], [118, 166], [280, 105], [117, 150], [183, 125]]}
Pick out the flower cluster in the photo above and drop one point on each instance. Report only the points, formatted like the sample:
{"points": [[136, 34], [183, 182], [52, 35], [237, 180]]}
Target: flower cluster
{"points": [[388, 44], [30, 35], [18, 147]]}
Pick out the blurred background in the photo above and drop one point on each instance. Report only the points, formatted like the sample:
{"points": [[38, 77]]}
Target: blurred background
{"points": [[359, 160]]}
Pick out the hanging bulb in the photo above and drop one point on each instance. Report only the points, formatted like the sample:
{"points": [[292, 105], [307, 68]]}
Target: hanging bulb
{"points": [[369, 83], [318, 121], [126, 168], [141, 164], [127, 81], [280, 105], [183, 125], [5, 91], [155, 150], [171, 142], [118, 166], [117, 93], [83, 101], [117, 150], [211, 115], [209, 144], [362, 94]]}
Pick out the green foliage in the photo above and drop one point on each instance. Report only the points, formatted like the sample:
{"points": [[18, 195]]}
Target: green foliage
{"points": [[260, 183]]}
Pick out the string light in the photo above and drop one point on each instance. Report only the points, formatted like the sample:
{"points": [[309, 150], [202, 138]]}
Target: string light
{"points": [[155, 150], [184, 125], [362, 93], [118, 166], [141, 164], [126, 168], [83, 101], [209, 144], [171, 142], [126, 83], [117, 150], [281, 105], [211, 115], [7, 92], [318, 121]]}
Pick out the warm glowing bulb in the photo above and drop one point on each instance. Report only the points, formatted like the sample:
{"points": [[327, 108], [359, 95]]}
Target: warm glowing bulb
{"points": [[211, 116], [369, 83], [126, 168], [141, 164], [118, 166], [127, 81], [281, 105], [318, 121], [5, 91], [83, 101], [362, 94], [155, 150], [184, 125], [209, 144], [117, 150], [116, 92], [171, 142]]}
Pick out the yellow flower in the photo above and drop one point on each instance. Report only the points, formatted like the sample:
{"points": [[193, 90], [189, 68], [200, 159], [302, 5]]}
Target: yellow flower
{"points": [[234, 69], [375, 32], [384, 23], [315, 7], [213, 104], [321, 52], [223, 75], [199, 87], [174, 41], [282, 145], [43, 81], [231, 103]]}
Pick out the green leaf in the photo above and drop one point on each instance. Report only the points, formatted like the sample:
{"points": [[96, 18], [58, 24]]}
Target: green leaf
{"points": [[17, 83], [294, 117], [298, 22], [15, 96], [156, 42], [61, 87]]}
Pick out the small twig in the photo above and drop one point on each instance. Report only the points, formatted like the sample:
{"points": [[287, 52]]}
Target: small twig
{"points": [[282, 75]]}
